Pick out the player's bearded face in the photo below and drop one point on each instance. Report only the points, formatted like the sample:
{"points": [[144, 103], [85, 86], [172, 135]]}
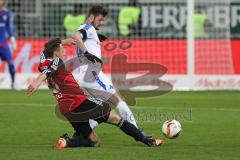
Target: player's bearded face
{"points": [[98, 21]]}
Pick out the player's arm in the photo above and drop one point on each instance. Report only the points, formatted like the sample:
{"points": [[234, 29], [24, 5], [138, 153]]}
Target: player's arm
{"points": [[79, 37], [45, 74], [32, 88], [68, 42]]}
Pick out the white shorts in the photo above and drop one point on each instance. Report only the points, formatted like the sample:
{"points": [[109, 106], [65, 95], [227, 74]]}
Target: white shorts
{"points": [[95, 85]]}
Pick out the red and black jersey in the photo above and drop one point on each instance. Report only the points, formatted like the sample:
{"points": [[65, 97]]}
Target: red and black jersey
{"points": [[62, 83]]}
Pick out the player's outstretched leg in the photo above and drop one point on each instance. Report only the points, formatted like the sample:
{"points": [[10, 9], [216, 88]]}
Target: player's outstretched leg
{"points": [[7, 56], [132, 131], [123, 108], [12, 74], [125, 111], [14, 85]]}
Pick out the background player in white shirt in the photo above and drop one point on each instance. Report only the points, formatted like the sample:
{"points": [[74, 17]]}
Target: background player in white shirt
{"points": [[101, 84]]}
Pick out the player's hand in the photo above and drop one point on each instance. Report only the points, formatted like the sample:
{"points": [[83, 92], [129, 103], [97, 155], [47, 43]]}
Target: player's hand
{"points": [[92, 58], [68, 42], [31, 89], [13, 43]]}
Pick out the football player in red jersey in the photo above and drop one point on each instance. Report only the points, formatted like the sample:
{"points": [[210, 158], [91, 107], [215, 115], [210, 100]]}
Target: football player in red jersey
{"points": [[74, 104]]}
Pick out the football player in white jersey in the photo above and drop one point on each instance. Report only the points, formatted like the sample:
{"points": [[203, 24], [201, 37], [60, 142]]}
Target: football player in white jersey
{"points": [[101, 84]]}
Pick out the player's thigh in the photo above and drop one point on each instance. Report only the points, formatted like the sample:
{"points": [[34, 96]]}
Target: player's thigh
{"points": [[100, 110], [90, 109], [107, 82], [5, 54], [101, 88]]}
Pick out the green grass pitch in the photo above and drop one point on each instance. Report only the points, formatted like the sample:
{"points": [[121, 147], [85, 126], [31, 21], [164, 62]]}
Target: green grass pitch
{"points": [[210, 121]]}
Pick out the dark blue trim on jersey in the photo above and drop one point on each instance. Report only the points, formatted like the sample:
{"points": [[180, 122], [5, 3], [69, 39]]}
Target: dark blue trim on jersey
{"points": [[87, 26], [99, 81]]}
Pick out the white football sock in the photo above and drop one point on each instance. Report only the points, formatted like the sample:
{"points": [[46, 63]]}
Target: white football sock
{"points": [[93, 123], [126, 113]]}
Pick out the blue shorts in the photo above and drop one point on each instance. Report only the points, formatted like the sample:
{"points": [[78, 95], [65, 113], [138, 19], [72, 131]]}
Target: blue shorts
{"points": [[5, 54]]}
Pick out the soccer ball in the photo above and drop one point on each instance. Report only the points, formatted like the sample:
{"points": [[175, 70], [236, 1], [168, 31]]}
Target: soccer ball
{"points": [[171, 128]]}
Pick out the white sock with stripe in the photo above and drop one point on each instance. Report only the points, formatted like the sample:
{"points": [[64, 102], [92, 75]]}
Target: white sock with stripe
{"points": [[126, 113]]}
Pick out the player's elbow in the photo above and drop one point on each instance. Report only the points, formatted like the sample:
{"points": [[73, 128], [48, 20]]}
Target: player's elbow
{"points": [[80, 34], [77, 36]]}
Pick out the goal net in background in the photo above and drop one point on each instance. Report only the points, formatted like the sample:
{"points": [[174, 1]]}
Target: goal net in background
{"points": [[197, 41]]}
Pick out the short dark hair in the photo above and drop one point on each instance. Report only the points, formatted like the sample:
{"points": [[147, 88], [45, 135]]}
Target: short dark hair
{"points": [[97, 10], [51, 46]]}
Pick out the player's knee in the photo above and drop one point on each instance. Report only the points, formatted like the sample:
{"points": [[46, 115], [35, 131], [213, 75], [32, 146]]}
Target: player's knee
{"points": [[114, 118], [10, 62], [115, 98]]}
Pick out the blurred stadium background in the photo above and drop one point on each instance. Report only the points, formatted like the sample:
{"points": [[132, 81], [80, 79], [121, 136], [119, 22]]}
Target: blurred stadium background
{"points": [[197, 41]]}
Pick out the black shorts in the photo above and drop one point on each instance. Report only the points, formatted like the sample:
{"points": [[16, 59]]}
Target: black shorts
{"points": [[89, 109]]}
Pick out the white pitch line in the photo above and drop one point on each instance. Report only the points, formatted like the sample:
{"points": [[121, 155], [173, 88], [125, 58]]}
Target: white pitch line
{"points": [[133, 107]]}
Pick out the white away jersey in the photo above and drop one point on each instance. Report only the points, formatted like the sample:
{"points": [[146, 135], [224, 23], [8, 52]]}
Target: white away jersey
{"points": [[92, 42]]}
